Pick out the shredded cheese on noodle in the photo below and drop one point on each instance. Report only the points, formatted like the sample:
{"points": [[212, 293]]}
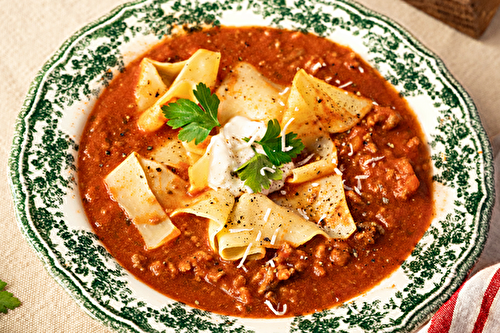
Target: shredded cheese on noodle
{"points": [[268, 212], [283, 136], [244, 256]]}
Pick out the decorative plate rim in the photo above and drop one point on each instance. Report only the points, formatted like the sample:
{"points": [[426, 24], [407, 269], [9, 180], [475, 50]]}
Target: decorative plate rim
{"points": [[19, 191]]}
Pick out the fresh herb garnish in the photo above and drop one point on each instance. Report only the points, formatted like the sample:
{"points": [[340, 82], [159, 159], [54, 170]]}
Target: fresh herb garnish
{"points": [[272, 144], [7, 300], [257, 174], [196, 120]]}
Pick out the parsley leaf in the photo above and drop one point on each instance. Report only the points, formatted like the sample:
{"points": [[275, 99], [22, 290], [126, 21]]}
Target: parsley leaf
{"points": [[271, 143], [7, 301], [196, 120], [255, 175]]}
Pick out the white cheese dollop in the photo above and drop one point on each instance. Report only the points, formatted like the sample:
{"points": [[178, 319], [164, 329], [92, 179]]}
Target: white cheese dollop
{"points": [[229, 151]]}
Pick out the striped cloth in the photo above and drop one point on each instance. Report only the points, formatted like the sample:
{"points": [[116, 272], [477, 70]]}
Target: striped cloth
{"points": [[475, 306]]}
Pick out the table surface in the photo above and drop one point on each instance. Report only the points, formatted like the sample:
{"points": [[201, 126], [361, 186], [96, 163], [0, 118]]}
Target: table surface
{"points": [[30, 31]]}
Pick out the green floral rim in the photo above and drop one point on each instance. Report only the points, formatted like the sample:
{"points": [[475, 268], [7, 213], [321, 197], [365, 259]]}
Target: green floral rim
{"points": [[42, 166]]}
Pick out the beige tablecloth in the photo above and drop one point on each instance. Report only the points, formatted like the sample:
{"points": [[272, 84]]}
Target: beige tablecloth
{"points": [[30, 31]]}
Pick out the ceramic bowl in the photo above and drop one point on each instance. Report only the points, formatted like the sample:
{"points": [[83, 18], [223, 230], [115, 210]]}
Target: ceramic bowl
{"points": [[50, 214]]}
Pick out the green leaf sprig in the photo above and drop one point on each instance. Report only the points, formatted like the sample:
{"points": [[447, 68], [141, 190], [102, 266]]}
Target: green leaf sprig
{"points": [[256, 172], [271, 142], [196, 120], [7, 300]]}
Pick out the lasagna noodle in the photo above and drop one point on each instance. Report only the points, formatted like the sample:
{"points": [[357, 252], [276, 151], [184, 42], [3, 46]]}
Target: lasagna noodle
{"points": [[323, 201], [213, 205], [171, 153], [128, 185], [315, 110], [195, 151], [336, 109], [324, 161], [246, 92], [202, 66], [169, 189], [254, 213]]}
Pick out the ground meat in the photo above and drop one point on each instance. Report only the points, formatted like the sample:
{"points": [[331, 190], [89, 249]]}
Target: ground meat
{"points": [[156, 268], [366, 235], [138, 261], [384, 116], [318, 269], [185, 266], [351, 62], [406, 180], [266, 279], [340, 253], [214, 275]]}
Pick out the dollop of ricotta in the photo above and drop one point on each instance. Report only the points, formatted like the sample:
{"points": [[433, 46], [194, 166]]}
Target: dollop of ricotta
{"points": [[228, 151]]}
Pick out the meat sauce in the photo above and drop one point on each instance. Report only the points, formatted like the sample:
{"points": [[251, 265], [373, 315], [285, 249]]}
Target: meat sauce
{"points": [[392, 207]]}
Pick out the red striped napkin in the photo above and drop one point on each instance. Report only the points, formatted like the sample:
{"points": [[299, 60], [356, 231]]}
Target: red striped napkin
{"points": [[475, 306]]}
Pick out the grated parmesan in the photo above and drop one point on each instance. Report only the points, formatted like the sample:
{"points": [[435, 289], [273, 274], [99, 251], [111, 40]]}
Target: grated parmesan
{"points": [[268, 169], [345, 85], [305, 160], [357, 190], [375, 159], [232, 231], [275, 235], [348, 188], [276, 312], [302, 213], [244, 256], [283, 136], [284, 91], [259, 235], [270, 262], [352, 151], [266, 216], [337, 171]]}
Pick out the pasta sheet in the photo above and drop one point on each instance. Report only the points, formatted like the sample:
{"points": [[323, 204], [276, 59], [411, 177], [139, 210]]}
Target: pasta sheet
{"points": [[202, 66], [128, 185], [322, 201], [257, 223], [246, 92]]}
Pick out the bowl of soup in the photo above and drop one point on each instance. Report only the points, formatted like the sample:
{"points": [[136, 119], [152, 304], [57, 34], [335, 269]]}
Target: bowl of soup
{"points": [[246, 167]]}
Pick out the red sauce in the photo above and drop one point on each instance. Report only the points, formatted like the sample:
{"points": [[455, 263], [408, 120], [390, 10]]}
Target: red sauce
{"points": [[392, 213]]}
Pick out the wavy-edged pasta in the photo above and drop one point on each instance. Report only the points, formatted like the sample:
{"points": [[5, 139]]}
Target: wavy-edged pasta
{"points": [[202, 66], [128, 185], [322, 201], [213, 205], [246, 92], [257, 223], [316, 105]]}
